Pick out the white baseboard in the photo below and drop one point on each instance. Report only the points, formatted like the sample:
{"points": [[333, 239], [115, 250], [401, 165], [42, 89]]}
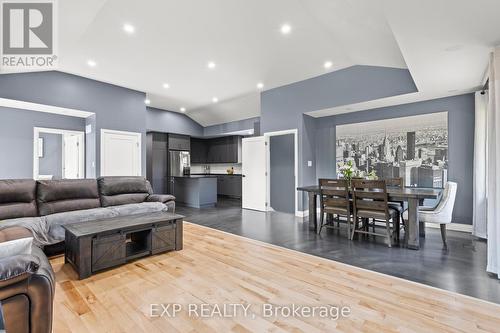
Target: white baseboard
{"points": [[452, 226], [302, 213]]}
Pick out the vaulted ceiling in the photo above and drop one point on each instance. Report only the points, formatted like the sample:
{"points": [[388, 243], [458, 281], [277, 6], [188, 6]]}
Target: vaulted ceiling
{"points": [[444, 43]]}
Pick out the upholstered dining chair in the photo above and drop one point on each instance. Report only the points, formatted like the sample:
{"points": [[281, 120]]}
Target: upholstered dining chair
{"points": [[442, 213], [371, 202], [334, 200]]}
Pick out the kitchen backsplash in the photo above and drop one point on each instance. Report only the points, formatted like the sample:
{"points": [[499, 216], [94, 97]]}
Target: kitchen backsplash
{"points": [[215, 168]]}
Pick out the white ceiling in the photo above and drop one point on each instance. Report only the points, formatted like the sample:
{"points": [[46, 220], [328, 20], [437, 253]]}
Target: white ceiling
{"points": [[444, 43]]}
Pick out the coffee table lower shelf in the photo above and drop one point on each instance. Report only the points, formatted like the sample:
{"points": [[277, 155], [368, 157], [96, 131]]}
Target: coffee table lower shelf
{"points": [[90, 250]]}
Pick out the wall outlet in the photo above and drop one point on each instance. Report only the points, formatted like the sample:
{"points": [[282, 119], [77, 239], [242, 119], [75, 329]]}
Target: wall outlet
{"points": [[309, 163]]}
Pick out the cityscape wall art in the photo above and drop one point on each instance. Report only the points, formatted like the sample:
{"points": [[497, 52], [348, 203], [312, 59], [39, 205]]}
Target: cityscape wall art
{"points": [[414, 148]]}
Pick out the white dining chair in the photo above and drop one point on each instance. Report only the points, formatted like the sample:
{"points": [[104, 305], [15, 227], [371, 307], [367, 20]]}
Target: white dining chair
{"points": [[442, 213]]}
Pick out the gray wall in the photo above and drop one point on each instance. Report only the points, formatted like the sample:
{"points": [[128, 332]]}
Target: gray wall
{"points": [[16, 138], [51, 161], [233, 126], [158, 120], [282, 191], [116, 108], [284, 107], [461, 142]]}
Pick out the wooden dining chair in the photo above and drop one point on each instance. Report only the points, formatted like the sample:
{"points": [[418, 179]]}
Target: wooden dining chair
{"points": [[371, 202], [396, 205], [334, 200]]}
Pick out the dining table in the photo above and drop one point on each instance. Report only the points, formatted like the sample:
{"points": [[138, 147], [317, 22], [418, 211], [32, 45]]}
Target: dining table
{"points": [[412, 195]]}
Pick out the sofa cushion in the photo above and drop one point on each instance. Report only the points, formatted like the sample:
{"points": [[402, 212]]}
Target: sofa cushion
{"points": [[16, 247], [56, 196], [56, 221], [116, 191], [14, 232], [37, 228], [17, 198]]}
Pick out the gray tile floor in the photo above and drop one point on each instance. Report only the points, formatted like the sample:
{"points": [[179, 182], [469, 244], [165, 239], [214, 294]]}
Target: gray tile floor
{"points": [[461, 268]]}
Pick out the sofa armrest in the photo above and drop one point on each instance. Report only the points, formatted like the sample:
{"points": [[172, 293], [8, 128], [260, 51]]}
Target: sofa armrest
{"points": [[17, 268], [164, 198], [37, 285], [11, 233]]}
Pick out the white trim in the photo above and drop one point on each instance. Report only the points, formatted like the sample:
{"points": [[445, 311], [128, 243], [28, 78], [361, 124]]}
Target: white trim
{"points": [[452, 226], [15, 104], [267, 135], [139, 140], [302, 213], [36, 159]]}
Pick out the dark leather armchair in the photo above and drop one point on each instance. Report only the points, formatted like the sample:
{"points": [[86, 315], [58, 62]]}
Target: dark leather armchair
{"points": [[26, 288]]}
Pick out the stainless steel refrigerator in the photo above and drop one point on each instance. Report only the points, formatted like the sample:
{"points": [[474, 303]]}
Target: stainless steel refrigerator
{"points": [[179, 164]]}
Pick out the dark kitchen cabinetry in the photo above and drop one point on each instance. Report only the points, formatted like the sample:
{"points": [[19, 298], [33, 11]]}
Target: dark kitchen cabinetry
{"points": [[217, 150], [229, 185], [179, 142], [156, 161], [199, 151]]}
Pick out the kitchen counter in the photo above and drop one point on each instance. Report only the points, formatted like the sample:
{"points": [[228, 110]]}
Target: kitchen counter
{"points": [[217, 174], [196, 176], [198, 191]]}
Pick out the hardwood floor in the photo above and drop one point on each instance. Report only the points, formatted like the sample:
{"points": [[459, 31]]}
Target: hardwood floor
{"points": [[217, 268]]}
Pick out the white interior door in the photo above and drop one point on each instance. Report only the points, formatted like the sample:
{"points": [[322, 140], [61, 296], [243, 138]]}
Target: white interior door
{"points": [[120, 153], [253, 163], [73, 155]]}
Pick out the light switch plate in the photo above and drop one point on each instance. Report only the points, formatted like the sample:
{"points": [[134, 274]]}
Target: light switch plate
{"points": [[309, 163]]}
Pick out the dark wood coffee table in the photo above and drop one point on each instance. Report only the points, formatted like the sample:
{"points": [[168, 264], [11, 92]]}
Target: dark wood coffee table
{"points": [[97, 245]]}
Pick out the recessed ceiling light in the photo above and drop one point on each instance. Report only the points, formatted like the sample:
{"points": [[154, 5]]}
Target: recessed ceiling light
{"points": [[215, 99], [260, 85], [286, 29], [211, 65], [91, 63], [166, 85], [128, 28], [183, 109], [147, 101], [328, 64]]}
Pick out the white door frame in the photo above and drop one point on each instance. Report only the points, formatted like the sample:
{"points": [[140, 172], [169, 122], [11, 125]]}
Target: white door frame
{"points": [[36, 135], [139, 140], [267, 135]]}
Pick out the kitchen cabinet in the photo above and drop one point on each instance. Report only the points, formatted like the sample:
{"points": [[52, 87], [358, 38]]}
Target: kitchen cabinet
{"points": [[179, 142], [156, 161], [229, 185], [217, 150], [199, 151]]}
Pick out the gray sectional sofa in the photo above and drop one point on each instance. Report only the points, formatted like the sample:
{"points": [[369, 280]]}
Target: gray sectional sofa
{"points": [[45, 206], [41, 208]]}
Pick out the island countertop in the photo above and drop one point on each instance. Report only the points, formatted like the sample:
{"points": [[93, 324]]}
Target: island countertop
{"points": [[196, 176], [217, 174]]}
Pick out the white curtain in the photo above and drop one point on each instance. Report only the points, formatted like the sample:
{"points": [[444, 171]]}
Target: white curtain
{"points": [[479, 220], [493, 166]]}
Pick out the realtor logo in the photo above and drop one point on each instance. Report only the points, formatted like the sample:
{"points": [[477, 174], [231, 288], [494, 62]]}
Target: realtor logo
{"points": [[28, 30]]}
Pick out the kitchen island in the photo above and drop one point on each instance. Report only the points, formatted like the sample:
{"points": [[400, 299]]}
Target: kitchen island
{"points": [[198, 191]]}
